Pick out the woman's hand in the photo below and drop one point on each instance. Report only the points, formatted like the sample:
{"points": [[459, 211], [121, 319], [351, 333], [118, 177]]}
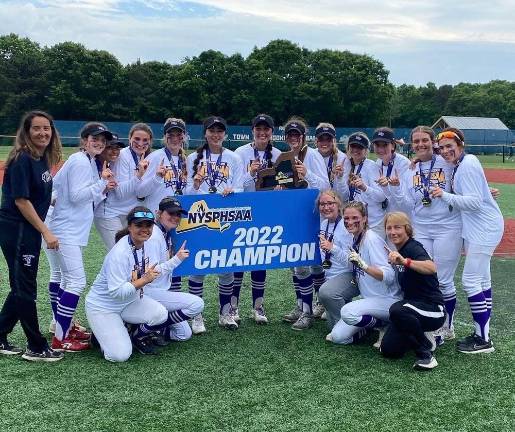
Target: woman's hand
{"points": [[51, 240], [150, 274], [227, 191], [183, 253], [325, 244], [395, 257]]}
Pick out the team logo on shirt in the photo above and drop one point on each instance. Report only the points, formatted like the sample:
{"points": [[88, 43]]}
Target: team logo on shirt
{"points": [[437, 179], [46, 177], [27, 260], [220, 173], [201, 216], [170, 179], [138, 270]]}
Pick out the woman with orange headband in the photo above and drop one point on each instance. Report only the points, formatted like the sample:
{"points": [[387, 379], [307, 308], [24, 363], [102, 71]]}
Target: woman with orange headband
{"points": [[483, 227]]}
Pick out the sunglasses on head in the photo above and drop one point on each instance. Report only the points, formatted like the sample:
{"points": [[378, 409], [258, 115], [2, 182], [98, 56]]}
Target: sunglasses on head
{"points": [[448, 134]]}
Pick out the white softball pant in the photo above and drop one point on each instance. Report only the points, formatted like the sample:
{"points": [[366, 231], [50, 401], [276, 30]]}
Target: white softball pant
{"points": [[352, 313], [110, 330], [108, 227], [476, 271], [335, 293], [190, 304], [71, 265]]}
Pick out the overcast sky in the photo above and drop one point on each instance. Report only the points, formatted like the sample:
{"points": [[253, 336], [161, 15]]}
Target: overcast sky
{"points": [[445, 42]]}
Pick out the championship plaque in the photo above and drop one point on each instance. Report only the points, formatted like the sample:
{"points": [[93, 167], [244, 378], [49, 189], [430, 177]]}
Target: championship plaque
{"points": [[283, 173]]}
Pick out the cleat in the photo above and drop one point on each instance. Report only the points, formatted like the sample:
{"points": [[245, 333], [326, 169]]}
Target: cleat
{"points": [[159, 340], [425, 364], [235, 313], [259, 316], [76, 324], [293, 316], [304, 322], [474, 345], [144, 346], [7, 349], [197, 325], [48, 355], [69, 345], [227, 321], [382, 331], [318, 310], [77, 334]]}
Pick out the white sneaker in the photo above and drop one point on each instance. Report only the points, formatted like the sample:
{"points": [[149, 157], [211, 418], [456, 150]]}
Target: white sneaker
{"points": [[431, 336], [382, 331], [449, 334], [197, 325], [318, 310], [259, 316], [235, 313], [425, 364], [329, 337], [227, 321]]}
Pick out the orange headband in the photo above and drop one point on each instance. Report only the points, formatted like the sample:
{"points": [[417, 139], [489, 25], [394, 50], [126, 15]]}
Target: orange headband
{"points": [[448, 134]]}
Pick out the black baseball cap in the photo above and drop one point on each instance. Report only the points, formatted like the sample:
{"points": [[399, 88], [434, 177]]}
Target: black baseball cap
{"points": [[116, 142], [325, 130], [140, 215], [96, 130], [294, 126], [263, 119], [383, 135], [359, 138], [214, 121], [171, 205], [174, 124]]}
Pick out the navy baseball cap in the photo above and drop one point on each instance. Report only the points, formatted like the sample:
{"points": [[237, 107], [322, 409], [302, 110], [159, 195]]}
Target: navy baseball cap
{"points": [[214, 121], [174, 124], [359, 138], [116, 142], [96, 130], [325, 130], [171, 205], [294, 126], [263, 119], [140, 216], [383, 135]]}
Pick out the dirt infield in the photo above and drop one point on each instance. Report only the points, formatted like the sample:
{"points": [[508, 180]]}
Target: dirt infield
{"points": [[500, 175]]}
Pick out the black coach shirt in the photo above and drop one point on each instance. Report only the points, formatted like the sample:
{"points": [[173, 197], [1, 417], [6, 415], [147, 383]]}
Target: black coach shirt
{"points": [[27, 178], [417, 286]]}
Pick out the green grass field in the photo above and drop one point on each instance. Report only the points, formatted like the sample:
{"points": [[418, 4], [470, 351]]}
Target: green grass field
{"points": [[266, 378]]}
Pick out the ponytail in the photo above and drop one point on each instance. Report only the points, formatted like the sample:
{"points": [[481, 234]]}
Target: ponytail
{"points": [[268, 154], [200, 155]]}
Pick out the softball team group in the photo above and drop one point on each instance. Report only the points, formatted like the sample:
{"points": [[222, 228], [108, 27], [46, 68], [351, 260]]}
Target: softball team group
{"points": [[391, 235]]}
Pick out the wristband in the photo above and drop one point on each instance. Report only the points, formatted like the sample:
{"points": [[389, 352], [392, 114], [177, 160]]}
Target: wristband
{"points": [[407, 263]]}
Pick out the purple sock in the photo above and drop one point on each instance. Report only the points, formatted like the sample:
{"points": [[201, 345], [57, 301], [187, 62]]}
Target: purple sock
{"points": [[53, 293], [176, 317], [368, 321], [480, 315], [318, 281], [306, 293], [224, 295], [175, 285], [236, 288], [296, 287], [488, 299], [450, 307], [196, 288], [257, 279], [64, 314]]}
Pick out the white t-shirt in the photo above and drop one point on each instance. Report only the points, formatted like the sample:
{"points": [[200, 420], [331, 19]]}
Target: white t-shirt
{"points": [[247, 155]]}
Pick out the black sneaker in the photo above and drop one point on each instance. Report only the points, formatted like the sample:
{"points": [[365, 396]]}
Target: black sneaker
{"points": [[159, 340], [47, 355], [425, 364], [467, 340], [144, 346], [474, 345], [7, 349]]}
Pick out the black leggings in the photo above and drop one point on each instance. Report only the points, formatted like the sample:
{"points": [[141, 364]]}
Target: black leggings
{"points": [[409, 320], [21, 245]]}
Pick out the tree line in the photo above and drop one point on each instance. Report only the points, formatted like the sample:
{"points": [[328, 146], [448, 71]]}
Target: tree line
{"points": [[349, 90]]}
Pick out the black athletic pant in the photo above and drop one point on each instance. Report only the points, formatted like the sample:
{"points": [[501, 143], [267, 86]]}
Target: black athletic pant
{"points": [[409, 320], [21, 245]]}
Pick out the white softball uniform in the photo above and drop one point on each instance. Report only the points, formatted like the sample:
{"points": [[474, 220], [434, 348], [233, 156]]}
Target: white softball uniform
{"points": [[400, 165], [247, 154], [341, 157], [316, 174], [226, 172]]}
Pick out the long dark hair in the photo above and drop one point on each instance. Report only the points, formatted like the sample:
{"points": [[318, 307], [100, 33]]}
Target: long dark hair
{"points": [[53, 152], [124, 231]]}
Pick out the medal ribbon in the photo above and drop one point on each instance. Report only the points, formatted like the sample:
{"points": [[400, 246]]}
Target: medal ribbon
{"points": [[330, 169], [168, 239], [212, 175], [426, 181], [140, 268], [456, 169], [177, 170], [390, 166], [330, 237], [135, 158], [355, 246], [352, 189]]}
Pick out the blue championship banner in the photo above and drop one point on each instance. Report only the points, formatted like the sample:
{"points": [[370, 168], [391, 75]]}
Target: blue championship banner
{"points": [[248, 231]]}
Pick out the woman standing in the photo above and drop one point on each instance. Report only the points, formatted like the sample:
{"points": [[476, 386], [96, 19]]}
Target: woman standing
{"points": [[421, 310], [483, 226], [311, 169], [117, 295], [79, 188], [373, 275], [26, 195], [214, 169], [256, 156]]}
